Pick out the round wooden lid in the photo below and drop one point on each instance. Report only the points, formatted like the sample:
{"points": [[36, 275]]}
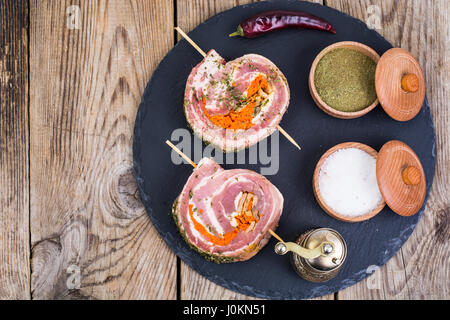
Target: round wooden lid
{"points": [[400, 84], [401, 178]]}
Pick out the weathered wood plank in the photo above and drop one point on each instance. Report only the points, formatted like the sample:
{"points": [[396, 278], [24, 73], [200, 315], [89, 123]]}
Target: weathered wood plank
{"points": [[14, 146], [421, 268], [189, 15], [87, 222]]}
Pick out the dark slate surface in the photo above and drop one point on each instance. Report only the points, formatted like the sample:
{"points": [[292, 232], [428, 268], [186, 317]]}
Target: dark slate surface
{"points": [[267, 275]]}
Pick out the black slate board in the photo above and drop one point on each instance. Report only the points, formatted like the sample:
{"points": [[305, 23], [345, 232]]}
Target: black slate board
{"points": [[370, 243]]}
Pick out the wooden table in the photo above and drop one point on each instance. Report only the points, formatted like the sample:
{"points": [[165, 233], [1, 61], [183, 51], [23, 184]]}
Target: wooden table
{"points": [[69, 206]]}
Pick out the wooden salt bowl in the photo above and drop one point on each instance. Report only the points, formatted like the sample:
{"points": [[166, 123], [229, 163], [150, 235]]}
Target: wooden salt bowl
{"points": [[312, 88], [316, 189]]}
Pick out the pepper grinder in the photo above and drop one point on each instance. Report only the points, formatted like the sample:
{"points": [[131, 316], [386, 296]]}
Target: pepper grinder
{"points": [[317, 255]]}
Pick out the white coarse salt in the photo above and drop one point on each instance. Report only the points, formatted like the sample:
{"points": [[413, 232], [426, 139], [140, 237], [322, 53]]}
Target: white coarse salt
{"points": [[348, 182]]}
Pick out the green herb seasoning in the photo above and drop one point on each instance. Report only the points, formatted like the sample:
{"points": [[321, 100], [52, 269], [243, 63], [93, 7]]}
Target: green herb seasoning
{"points": [[345, 80]]}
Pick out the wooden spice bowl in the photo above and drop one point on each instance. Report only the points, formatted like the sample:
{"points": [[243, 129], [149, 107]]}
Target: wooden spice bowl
{"points": [[316, 190], [312, 88]]}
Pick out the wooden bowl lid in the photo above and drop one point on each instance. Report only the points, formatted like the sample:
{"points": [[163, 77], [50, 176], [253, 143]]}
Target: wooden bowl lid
{"points": [[400, 84], [401, 178]]}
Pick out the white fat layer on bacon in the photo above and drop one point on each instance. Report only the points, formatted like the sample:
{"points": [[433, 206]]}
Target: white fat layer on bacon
{"points": [[202, 79], [232, 219], [209, 213], [264, 109], [257, 239], [275, 210], [197, 235], [210, 66], [238, 139], [236, 200], [209, 209]]}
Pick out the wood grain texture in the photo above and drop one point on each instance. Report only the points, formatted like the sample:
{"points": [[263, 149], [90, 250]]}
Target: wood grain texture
{"points": [[14, 142], [192, 285], [396, 163], [390, 82], [86, 85], [420, 270], [66, 163], [189, 15]]}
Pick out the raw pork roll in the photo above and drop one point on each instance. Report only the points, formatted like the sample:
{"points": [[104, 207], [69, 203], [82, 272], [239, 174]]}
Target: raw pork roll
{"points": [[225, 214], [236, 104]]}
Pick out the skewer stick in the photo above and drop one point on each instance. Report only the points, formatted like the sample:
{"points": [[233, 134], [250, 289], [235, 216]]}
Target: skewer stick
{"points": [[185, 157], [288, 137], [185, 36], [275, 235]]}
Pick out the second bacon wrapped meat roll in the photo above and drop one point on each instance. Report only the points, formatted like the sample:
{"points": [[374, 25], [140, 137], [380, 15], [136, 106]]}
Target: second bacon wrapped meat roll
{"points": [[236, 104], [225, 214]]}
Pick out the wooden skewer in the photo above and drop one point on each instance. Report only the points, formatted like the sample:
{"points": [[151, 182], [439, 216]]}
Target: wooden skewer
{"points": [[185, 36], [275, 235], [288, 137], [185, 157]]}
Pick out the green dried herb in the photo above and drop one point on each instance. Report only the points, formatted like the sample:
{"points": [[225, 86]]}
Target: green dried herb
{"points": [[345, 80]]}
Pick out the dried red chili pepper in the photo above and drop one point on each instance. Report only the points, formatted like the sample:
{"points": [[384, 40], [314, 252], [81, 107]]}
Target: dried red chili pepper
{"points": [[265, 22]]}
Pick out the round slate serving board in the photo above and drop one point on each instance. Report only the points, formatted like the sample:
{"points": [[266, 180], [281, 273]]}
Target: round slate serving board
{"points": [[267, 275]]}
